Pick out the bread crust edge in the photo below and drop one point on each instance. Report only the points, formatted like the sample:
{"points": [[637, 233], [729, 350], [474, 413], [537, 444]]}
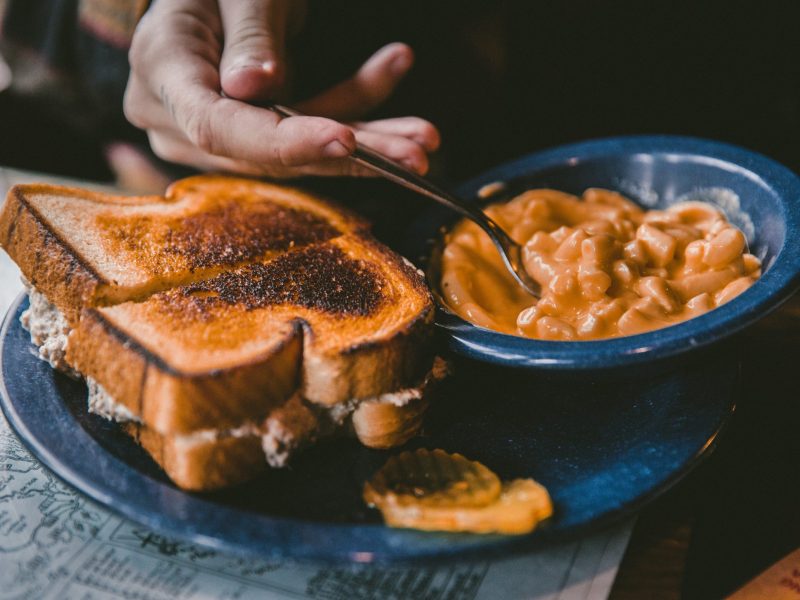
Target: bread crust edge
{"points": [[46, 260]]}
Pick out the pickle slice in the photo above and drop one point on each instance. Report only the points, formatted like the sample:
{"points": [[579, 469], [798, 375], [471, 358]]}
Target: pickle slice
{"points": [[432, 478], [522, 504]]}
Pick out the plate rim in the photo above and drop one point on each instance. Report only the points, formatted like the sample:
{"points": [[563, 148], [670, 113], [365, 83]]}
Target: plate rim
{"points": [[138, 512]]}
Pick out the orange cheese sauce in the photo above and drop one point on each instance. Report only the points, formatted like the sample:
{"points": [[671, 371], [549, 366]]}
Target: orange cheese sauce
{"points": [[607, 268]]}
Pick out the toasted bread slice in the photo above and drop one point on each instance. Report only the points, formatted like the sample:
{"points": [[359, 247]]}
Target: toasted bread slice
{"points": [[202, 463], [82, 248], [343, 320], [206, 311]]}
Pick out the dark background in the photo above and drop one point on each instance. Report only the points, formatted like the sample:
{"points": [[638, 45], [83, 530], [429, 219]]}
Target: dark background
{"points": [[499, 78], [505, 78]]}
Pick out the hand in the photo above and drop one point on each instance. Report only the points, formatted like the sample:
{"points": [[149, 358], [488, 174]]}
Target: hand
{"points": [[186, 53]]}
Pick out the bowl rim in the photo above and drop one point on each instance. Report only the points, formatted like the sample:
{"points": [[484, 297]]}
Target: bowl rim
{"points": [[773, 288]]}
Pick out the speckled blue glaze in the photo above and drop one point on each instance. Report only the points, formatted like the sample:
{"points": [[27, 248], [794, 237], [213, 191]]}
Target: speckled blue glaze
{"points": [[646, 168], [602, 449]]}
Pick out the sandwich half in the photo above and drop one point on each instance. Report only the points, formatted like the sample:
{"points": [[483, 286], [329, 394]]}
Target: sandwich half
{"points": [[227, 324]]}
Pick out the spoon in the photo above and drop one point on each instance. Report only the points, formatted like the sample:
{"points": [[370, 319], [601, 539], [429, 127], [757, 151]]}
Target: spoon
{"points": [[510, 251]]}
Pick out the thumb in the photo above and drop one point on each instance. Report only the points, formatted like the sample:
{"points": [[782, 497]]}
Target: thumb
{"points": [[252, 65]]}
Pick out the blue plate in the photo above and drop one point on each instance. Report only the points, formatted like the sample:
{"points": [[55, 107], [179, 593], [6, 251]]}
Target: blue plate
{"points": [[757, 194], [603, 449]]}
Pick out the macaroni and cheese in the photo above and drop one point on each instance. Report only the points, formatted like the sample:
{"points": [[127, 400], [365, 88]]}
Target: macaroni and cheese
{"points": [[606, 267]]}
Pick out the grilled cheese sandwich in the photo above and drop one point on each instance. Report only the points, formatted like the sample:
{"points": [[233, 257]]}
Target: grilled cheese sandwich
{"points": [[228, 324]]}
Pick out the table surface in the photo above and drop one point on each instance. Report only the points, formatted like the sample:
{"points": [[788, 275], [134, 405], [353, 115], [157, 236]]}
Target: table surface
{"points": [[679, 541]]}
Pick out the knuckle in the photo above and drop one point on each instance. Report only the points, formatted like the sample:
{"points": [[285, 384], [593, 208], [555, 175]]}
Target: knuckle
{"points": [[153, 38], [132, 116], [285, 158], [141, 42], [293, 141], [161, 149], [136, 51], [329, 129], [131, 107]]}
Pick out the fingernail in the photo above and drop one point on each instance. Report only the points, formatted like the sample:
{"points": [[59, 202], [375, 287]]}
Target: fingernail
{"points": [[335, 149]]}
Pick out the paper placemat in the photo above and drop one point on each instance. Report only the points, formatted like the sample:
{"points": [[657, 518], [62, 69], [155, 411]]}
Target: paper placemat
{"points": [[55, 544]]}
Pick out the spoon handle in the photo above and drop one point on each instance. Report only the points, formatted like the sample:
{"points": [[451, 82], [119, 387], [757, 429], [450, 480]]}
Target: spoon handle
{"points": [[386, 167], [508, 248], [389, 169]]}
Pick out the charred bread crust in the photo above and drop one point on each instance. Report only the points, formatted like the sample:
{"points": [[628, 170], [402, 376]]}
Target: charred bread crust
{"points": [[202, 464], [172, 401], [357, 223], [68, 280], [379, 365], [370, 369], [47, 261]]}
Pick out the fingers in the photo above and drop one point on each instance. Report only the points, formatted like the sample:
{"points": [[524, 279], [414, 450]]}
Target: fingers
{"points": [[252, 64], [227, 127], [174, 94], [179, 150], [142, 108], [405, 140], [369, 87], [419, 130], [175, 148], [186, 82], [134, 170], [400, 149]]}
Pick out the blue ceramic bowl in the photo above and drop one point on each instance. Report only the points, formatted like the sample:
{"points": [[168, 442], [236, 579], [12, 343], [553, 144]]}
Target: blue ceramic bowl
{"points": [[759, 195]]}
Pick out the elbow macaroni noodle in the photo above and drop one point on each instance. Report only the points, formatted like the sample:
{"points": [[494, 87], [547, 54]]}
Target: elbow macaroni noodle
{"points": [[607, 268]]}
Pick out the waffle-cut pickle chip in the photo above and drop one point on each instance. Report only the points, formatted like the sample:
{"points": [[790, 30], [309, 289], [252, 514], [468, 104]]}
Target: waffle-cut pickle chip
{"points": [[522, 504], [407, 498], [432, 478]]}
